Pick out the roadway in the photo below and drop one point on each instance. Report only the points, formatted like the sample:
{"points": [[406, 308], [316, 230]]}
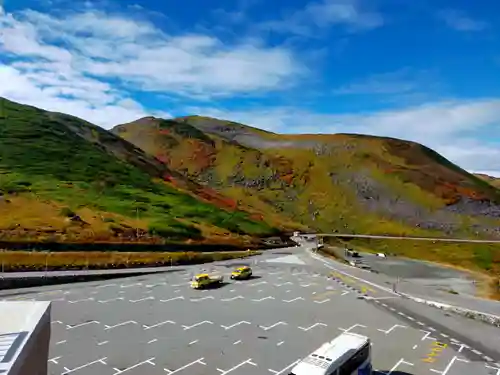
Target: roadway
{"points": [[155, 324], [436, 239]]}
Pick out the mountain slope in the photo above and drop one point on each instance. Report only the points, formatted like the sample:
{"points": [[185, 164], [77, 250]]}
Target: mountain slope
{"points": [[64, 179], [495, 181], [342, 182]]}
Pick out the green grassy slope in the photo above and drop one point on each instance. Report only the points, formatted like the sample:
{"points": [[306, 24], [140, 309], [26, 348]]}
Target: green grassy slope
{"points": [[64, 179]]}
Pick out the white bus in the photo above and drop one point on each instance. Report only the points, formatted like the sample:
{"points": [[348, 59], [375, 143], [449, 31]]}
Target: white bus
{"points": [[347, 354]]}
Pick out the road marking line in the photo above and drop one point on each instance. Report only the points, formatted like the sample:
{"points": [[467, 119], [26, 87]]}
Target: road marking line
{"points": [[262, 299], [56, 321], [201, 299], [151, 341], [249, 361], [157, 324], [286, 368], [61, 342], [401, 361], [130, 285], [344, 293], [197, 324], [391, 329], [352, 327], [427, 333], [82, 324], [295, 299], [494, 368], [235, 324], [104, 286], [323, 301], [142, 299], [232, 299], [236, 342], [193, 342], [489, 359], [280, 343], [476, 351], [258, 283], [171, 299], [120, 324], [314, 325], [54, 360], [274, 325], [82, 300], [112, 299], [102, 343], [415, 346], [118, 371], [68, 371], [447, 368]]}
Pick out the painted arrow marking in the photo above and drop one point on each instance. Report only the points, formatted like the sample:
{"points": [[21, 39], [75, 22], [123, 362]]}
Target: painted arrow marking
{"points": [[262, 299], [171, 299], [314, 325], [197, 324], [235, 324], [232, 299], [201, 299], [142, 299], [295, 299], [274, 325], [112, 299], [157, 324]]}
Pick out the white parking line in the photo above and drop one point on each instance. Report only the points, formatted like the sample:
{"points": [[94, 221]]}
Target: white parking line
{"points": [[280, 343], [248, 361], [157, 324], [352, 327], [197, 324], [263, 299], [142, 299], [494, 368], [60, 342], [102, 343], [104, 286], [130, 285], [232, 299], [312, 326], [201, 299], [82, 300], [236, 342], [323, 301], [149, 361], [391, 329], [401, 361], [82, 324], [171, 299], [447, 368], [235, 324], [54, 360], [295, 299], [120, 324], [274, 325], [112, 299], [282, 371], [68, 371]]}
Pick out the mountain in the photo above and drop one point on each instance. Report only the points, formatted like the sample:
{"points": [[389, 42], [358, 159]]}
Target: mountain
{"points": [[66, 180], [347, 183], [495, 181]]}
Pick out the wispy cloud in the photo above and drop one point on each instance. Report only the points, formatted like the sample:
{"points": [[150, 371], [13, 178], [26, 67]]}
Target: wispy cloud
{"points": [[452, 128], [353, 14], [458, 20], [72, 56]]}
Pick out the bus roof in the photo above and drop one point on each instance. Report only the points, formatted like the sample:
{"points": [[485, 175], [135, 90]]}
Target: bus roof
{"points": [[330, 353]]}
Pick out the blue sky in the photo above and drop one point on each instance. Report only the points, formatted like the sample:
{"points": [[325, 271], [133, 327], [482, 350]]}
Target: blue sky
{"points": [[422, 70]]}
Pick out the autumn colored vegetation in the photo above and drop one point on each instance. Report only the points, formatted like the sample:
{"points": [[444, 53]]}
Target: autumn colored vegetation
{"points": [[12, 261]]}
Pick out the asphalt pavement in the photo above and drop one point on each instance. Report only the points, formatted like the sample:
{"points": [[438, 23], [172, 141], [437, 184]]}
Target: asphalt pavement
{"points": [[156, 324]]}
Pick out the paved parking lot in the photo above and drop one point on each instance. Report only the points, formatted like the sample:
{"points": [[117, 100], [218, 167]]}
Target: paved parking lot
{"points": [[156, 324]]}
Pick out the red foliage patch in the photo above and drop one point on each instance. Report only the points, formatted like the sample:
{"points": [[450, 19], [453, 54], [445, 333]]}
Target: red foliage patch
{"points": [[164, 131]]}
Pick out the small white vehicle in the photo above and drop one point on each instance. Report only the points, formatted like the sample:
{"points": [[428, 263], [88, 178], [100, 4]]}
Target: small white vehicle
{"points": [[381, 255], [347, 354]]}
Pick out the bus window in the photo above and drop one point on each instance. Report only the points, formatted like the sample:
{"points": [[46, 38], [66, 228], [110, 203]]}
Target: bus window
{"points": [[355, 361]]}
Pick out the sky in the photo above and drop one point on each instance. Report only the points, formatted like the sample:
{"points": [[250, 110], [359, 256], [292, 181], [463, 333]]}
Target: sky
{"points": [[426, 70]]}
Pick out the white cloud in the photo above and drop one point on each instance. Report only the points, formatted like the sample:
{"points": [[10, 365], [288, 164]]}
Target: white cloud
{"points": [[452, 128], [66, 61], [320, 15], [458, 20]]}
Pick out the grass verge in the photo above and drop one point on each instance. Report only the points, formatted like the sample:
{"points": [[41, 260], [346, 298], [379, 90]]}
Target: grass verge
{"points": [[18, 261]]}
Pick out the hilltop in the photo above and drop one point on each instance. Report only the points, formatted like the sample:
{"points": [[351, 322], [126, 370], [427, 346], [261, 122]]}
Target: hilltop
{"points": [[344, 183], [63, 179]]}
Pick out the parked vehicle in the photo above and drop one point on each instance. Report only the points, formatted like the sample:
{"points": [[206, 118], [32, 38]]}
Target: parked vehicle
{"points": [[204, 280], [241, 273]]}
